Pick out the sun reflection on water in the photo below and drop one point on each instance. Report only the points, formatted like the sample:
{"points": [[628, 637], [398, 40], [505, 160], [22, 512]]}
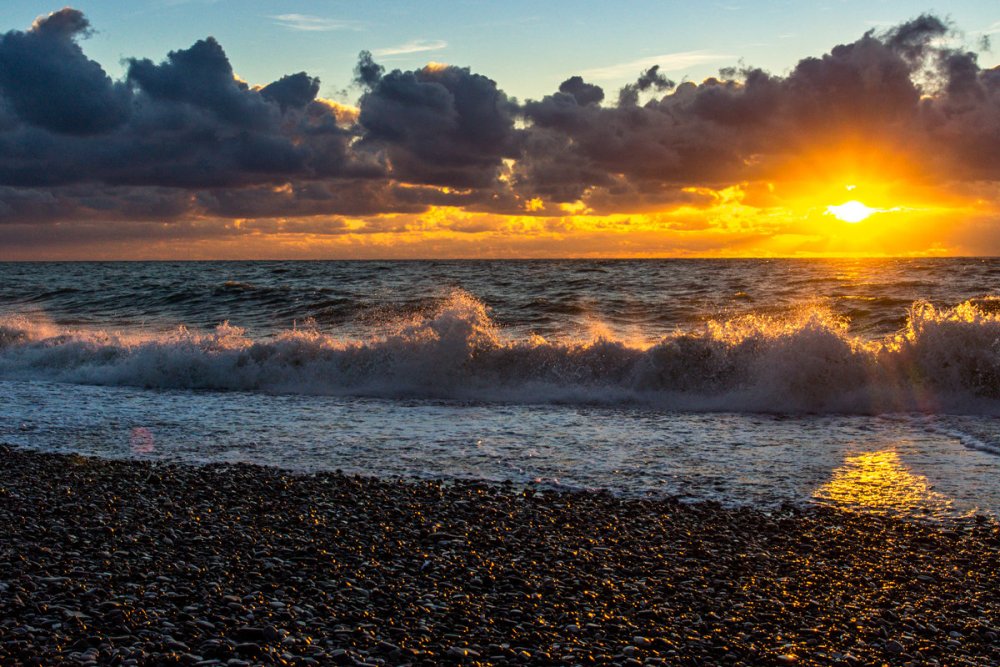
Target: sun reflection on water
{"points": [[879, 482]]}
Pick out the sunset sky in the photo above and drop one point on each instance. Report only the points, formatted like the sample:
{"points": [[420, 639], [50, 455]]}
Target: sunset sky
{"points": [[223, 129]]}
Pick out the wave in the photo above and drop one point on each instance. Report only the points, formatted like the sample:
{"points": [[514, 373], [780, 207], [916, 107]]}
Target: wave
{"points": [[943, 360]]}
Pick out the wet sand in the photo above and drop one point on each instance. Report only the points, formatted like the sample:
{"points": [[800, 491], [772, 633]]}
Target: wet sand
{"points": [[110, 562]]}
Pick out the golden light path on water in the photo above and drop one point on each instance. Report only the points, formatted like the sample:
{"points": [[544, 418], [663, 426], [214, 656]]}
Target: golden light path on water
{"points": [[879, 482]]}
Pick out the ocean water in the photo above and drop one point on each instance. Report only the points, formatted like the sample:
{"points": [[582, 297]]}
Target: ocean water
{"points": [[869, 384]]}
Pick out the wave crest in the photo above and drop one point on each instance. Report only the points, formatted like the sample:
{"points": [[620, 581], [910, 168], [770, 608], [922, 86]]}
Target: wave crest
{"points": [[945, 359]]}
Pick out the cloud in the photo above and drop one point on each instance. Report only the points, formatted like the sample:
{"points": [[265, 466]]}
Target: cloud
{"points": [[185, 139], [307, 23], [901, 89], [367, 72], [582, 92], [292, 91], [201, 77], [47, 80], [187, 122], [413, 46], [439, 125], [680, 60], [651, 79]]}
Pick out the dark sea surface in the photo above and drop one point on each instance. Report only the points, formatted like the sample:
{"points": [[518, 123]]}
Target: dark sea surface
{"points": [[868, 383]]}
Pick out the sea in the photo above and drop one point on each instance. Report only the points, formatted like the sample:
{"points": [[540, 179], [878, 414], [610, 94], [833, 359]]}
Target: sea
{"points": [[867, 384]]}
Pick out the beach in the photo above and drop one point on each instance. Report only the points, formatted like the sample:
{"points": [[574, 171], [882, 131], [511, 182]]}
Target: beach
{"points": [[475, 333], [130, 562]]}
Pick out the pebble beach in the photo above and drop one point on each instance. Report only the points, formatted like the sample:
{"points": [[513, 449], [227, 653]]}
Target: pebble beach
{"points": [[139, 563]]}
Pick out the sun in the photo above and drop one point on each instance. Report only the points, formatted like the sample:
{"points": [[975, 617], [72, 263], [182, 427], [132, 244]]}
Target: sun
{"points": [[852, 211]]}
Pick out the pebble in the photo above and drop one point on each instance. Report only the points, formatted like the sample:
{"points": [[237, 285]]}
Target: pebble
{"points": [[143, 563]]}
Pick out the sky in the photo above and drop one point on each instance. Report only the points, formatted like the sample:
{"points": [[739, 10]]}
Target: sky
{"points": [[327, 129]]}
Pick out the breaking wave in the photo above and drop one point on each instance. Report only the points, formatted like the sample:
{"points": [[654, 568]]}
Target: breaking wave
{"points": [[943, 360]]}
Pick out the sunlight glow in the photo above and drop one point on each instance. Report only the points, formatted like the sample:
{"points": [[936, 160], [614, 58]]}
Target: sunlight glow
{"points": [[852, 211]]}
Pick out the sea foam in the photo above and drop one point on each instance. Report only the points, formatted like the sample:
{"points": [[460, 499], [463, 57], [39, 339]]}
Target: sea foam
{"points": [[943, 360]]}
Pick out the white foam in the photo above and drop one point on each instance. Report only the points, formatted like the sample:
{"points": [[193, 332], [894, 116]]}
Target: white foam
{"points": [[945, 360]]}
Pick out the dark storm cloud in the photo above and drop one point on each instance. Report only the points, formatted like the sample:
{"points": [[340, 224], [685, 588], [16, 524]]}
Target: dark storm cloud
{"points": [[184, 138], [964, 128], [863, 86], [573, 148], [293, 91], [651, 79], [99, 236], [202, 78], [912, 39], [187, 122], [34, 205], [360, 197], [584, 93], [367, 72], [47, 80], [305, 199], [440, 125]]}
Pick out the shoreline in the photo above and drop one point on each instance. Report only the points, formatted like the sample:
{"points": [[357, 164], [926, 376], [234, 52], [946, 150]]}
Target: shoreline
{"points": [[131, 562]]}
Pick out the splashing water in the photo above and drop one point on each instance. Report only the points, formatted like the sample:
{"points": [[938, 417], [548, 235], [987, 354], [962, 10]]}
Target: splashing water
{"points": [[946, 359], [640, 377]]}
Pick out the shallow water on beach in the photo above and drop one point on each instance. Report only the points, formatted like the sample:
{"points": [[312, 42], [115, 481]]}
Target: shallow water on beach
{"points": [[872, 384], [918, 465]]}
